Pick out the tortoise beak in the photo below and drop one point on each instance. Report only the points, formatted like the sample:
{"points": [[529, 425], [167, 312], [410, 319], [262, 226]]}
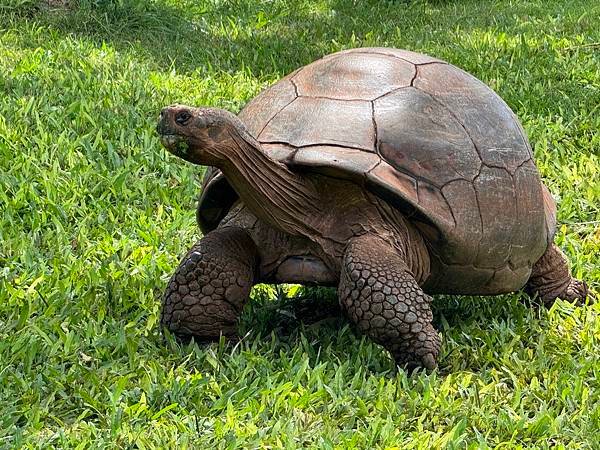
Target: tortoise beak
{"points": [[168, 141], [168, 137], [162, 126]]}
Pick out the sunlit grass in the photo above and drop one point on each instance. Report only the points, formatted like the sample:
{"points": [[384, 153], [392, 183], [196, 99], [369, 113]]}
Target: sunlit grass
{"points": [[94, 217]]}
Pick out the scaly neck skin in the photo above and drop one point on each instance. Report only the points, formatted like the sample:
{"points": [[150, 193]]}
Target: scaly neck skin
{"points": [[269, 189]]}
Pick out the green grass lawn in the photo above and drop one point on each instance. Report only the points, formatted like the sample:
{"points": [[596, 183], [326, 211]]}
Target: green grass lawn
{"points": [[94, 216]]}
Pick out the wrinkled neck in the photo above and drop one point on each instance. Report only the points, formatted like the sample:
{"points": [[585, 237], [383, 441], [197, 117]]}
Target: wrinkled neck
{"points": [[274, 193]]}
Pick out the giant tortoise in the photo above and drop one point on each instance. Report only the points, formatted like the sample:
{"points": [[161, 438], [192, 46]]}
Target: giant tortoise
{"points": [[389, 174]]}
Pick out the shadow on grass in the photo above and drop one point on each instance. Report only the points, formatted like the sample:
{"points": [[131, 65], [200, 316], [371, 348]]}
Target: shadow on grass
{"points": [[315, 316], [238, 35], [285, 315], [269, 40], [320, 306]]}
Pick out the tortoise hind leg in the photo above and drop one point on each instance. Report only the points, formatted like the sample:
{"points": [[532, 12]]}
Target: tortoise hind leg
{"points": [[551, 279], [379, 294], [207, 292]]}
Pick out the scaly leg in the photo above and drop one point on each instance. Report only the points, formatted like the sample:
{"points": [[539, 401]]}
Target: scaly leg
{"points": [[207, 292], [550, 279], [379, 294]]}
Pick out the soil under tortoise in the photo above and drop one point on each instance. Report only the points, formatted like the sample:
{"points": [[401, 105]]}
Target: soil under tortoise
{"points": [[387, 173]]}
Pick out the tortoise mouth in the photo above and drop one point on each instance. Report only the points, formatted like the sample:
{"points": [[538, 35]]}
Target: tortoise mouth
{"points": [[169, 141], [176, 144]]}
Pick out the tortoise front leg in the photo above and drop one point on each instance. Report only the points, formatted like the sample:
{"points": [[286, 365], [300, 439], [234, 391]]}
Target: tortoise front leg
{"points": [[551, 279], [206, 294], [379, 294]]}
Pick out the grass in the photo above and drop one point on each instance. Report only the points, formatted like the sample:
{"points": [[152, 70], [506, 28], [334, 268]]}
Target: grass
{"points": [[94, 216]]}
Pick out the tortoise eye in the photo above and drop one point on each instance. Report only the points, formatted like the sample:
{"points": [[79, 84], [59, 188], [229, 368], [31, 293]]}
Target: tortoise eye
{"points": [[183, 118]]}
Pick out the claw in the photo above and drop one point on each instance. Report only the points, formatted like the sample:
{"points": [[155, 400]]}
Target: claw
{"points": [[577, 291]]}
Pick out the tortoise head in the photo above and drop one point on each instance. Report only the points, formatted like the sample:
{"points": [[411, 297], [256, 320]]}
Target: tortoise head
{"points": [[199, 135]]}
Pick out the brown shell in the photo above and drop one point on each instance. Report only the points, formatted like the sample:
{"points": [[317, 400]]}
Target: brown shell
{"points": [[422, 134]]}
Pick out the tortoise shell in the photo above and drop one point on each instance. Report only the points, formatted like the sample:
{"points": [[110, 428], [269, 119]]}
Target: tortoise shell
{"points": [[422, 134]]}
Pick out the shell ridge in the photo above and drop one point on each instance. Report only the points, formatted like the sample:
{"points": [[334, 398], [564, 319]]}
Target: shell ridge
{"points": [[445, 201], [320, 144], [450, 209], [376, 138], [349, 100], [381, 51], [393, 91], [516, 218], [294, 82], [387, 55], [478, 212], [497, 166], [412, 80], [411, 174]]}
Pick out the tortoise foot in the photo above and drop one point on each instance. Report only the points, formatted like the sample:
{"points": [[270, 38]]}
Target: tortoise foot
{"points": [[380, 295], [207, 292], [551, 279]]}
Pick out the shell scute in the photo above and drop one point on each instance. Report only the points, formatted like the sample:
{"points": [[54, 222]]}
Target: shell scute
{"points": [[463, 247], [260, 110], [354, 76], [488, 120], [352, 126], [419, 135]]}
